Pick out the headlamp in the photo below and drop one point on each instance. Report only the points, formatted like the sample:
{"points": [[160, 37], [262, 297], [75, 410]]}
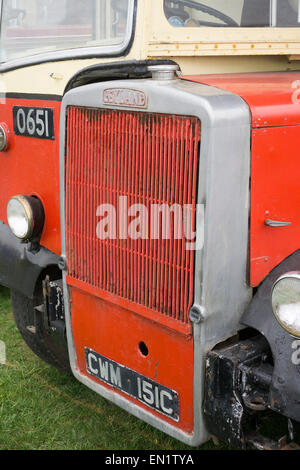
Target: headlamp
{"points": [[25, 216], [4, 137], [286, 302]]}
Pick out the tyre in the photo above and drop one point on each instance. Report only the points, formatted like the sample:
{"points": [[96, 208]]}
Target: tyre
{"points": [[40, 341]]}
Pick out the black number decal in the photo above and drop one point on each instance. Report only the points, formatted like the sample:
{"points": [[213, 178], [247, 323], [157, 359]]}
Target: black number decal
{"points": [[34, 122]]}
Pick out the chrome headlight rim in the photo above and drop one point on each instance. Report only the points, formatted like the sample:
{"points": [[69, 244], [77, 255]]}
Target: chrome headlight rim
{"points": [[34, 215], [6, 137], [289, 275]]}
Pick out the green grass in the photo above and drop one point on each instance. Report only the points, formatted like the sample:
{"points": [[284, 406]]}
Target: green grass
{"points": [[44, 409]]}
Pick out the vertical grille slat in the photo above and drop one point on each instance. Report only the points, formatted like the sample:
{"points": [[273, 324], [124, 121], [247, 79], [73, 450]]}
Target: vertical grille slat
{"points": [[148, 159]]}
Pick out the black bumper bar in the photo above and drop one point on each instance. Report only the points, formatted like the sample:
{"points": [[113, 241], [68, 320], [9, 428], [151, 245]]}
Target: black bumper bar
{"points": [[20, 267]]}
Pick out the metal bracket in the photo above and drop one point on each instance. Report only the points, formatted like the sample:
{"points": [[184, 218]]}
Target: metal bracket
{"points": [[238, 378], [262, 443], [54, 311]]}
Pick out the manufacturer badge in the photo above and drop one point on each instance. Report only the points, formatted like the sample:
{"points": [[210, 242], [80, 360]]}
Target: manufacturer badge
{"points": [[125, 97]]}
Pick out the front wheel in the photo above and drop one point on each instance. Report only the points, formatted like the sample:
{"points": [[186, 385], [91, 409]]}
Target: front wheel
{"points": [[40, 341]]}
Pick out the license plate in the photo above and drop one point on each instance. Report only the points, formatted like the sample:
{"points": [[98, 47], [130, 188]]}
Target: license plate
{"points": [[143, 389], [33, 122]]}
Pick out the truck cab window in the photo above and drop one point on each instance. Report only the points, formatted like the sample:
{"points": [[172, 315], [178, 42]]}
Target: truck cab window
{"points": [[30, 27], [233, 13]]}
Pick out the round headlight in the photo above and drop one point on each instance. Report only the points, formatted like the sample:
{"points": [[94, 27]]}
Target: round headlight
{"points": [[286, 302], [25, 216], [4, 137]]}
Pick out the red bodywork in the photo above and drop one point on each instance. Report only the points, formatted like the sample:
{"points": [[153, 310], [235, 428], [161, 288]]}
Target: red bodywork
{"points": [[274, 100], [31, 167]]}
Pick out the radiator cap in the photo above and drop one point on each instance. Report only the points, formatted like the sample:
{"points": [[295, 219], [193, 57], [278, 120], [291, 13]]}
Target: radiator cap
{"points": [[164, 72]]}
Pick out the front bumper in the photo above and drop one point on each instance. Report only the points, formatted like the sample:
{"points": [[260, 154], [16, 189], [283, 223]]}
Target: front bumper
{"points": [[20, 267]]}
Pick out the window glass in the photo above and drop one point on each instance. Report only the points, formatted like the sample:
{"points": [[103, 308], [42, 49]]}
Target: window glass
{"points": [[30, 27], [233, 13]]}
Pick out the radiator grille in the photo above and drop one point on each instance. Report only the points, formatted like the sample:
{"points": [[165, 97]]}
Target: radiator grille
{"points": [[144, 159]]}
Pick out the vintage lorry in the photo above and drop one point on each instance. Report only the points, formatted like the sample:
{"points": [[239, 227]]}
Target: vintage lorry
{"points": [[150, 204]]}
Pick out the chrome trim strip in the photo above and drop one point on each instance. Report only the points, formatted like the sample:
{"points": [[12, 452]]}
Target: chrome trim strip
{"points": [[273, 13]]}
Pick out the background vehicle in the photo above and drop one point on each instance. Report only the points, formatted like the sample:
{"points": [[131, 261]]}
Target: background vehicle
{"points": [[125, 104]]}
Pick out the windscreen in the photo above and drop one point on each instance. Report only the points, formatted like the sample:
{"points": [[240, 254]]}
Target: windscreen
{"points": [[30, 27], [233, 13]]}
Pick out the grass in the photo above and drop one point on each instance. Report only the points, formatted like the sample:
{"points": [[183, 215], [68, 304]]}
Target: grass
{"points": [[44, 409]]}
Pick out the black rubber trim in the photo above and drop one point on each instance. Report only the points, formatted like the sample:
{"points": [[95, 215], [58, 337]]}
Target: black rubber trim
{"points": [[19, 267], [114, 71]]}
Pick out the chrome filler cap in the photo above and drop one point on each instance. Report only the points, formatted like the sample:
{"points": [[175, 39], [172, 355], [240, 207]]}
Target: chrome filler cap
{"points": [[164, 72]]}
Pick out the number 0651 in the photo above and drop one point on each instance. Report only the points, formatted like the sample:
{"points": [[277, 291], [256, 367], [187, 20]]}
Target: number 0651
{"points": [[33, 122]]}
